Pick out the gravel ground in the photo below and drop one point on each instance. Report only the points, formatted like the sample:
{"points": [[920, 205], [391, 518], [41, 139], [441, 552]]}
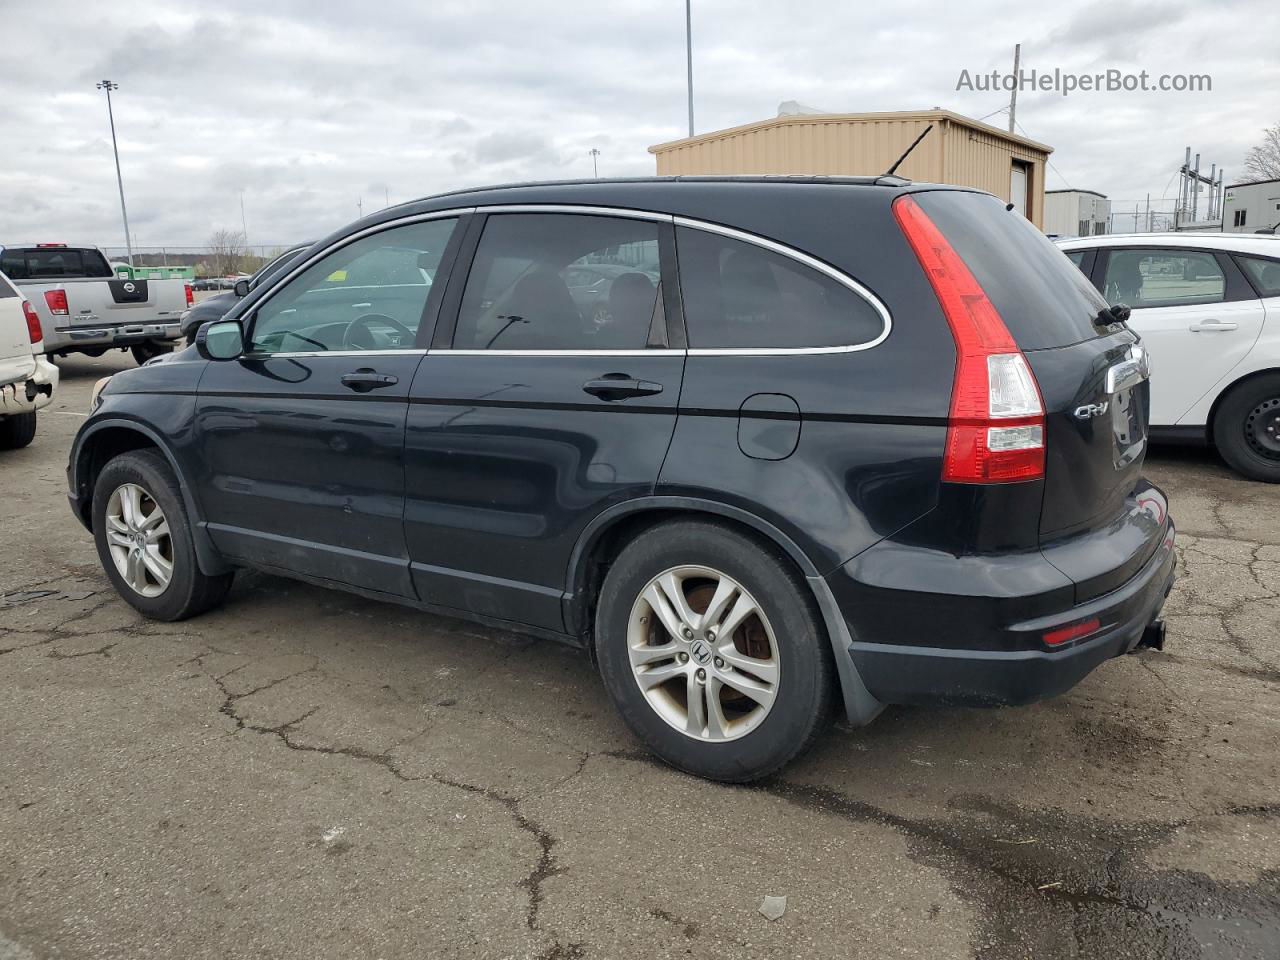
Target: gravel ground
{"points": [[309, 774]]}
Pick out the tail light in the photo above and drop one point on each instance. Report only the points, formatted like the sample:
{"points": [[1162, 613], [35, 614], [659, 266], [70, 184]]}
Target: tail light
{"points": [[191, 297], [33, 322], [995, 431], [57, 302]]}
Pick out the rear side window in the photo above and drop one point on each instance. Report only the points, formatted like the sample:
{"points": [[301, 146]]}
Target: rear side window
{"points": [[1265, 274], [1163, 278], [1077, 257], [1041, 296], [739, 295], [561, 282], [36, 263]]}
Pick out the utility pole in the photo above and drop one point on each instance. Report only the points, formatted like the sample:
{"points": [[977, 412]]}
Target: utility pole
{"points": [[108, 86], [360, 205], [386, 195], [1013, 97], [595, 170], [688, 50]]}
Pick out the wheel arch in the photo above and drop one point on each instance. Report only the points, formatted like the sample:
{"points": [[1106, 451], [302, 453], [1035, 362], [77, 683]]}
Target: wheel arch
{"points": [[1225, 392], [609, 531], [106, 439]]}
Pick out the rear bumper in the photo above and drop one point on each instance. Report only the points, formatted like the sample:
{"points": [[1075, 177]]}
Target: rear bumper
{"points": [[108, 335], [903, 664], [31, 392]]}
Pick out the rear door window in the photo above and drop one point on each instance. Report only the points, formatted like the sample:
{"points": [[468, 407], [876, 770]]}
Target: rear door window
{"points": [[1163, 278], [741, 296], [561, 282], [1044, 300], [1265, 274]]}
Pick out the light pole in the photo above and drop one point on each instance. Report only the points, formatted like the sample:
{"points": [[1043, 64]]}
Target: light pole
{"points": [[688, 49], [108, 86], [595, 171]]}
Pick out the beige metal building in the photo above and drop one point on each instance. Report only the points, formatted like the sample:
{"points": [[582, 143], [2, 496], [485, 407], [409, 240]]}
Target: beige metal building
{"points": [[957, 150]]}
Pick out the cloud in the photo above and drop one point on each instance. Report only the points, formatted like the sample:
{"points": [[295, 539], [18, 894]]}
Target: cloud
{"points": [[314, 110]]}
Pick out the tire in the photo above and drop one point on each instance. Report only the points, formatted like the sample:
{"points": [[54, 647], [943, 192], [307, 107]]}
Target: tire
{"points": [[749, 740], [1246, 428], [142, 352], [188, 591], [17, 430]]}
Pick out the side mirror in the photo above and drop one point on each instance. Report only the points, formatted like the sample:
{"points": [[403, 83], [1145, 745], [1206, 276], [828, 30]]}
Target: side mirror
{"points": [[220, 340], [242, 288]]}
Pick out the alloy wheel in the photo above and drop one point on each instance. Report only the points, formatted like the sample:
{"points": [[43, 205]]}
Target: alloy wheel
{"points": [[703, 653], [139, 540]]}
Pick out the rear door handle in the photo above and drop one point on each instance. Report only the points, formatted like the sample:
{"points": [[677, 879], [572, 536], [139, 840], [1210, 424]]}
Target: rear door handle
{"points": [[620, 387], [1213, 326], [366, 379]]}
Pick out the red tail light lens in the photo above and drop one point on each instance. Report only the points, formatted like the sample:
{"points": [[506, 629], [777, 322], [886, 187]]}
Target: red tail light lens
{"points": [[57, 302], [191, 297], [995, 431], [1060, 636], [33, 322]]}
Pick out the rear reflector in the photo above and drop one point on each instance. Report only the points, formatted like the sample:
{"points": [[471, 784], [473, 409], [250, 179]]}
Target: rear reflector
{"points": [[995, 431], [34, 333], [1055, 638], [191, 297], [57, 301]]}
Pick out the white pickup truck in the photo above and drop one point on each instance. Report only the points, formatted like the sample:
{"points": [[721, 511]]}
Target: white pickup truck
{"points": [[84, 308], [27, 379]]}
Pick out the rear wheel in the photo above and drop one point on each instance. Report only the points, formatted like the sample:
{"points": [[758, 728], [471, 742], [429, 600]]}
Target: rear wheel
{"points": [[142, 352], [144, 540], [712, 651], [1246, 428], [17, 430]]}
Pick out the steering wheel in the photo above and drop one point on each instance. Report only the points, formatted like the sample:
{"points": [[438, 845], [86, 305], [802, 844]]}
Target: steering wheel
{"points": [[359, 336]]}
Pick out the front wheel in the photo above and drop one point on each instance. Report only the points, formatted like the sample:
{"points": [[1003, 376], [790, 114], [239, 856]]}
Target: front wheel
{"points": [[143, 535], [712, 651], [1246, 428]]}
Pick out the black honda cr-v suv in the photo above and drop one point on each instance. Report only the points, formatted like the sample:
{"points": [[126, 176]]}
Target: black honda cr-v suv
{"points": [[756, 445]]}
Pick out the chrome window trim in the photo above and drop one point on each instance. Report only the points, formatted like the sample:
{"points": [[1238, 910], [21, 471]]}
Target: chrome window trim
{"points": [[582, 209], [589, 210], [654, 352], [302, 354]]}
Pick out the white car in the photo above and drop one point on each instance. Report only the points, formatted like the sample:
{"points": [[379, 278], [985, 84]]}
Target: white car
{"points": [[27, 379], [1207, 307]]}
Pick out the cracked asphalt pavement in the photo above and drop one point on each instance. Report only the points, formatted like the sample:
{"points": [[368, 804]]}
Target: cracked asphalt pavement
{"points": [[309, 774]]}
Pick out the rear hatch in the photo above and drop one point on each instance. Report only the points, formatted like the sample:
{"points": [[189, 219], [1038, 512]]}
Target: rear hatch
{"points": [[1091, 372]]}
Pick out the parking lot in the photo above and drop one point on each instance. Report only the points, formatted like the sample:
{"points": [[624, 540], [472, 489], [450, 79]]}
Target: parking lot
{"points": [[309, 774]]}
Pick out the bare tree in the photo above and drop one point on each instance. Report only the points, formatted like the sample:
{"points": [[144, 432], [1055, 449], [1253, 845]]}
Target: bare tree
{"points": [[1263, 161], [226, 251]]}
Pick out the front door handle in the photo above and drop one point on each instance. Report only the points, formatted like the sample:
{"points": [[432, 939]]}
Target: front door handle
{"points": [[618, 386], [366, 379], [1213, 326]]}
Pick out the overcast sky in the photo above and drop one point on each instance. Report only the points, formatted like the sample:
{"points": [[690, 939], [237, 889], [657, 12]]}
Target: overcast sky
{"points": [[306, 106]]}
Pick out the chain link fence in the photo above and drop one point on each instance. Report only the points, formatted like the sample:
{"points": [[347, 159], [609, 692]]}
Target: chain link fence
{"points": [[195, 262]]}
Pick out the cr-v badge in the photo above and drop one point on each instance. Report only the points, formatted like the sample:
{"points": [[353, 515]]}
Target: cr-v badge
{"points": [[1090, 410]]}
